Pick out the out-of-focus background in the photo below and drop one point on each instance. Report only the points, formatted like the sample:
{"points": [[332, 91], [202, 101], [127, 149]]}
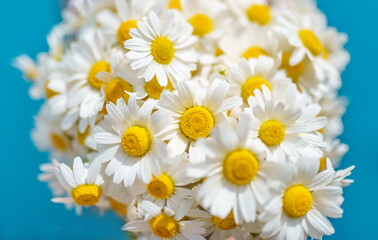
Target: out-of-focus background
{"points": [[26, 209]]}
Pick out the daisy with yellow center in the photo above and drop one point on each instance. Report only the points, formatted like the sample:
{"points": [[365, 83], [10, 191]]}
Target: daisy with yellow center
{"points": [[235, 170], [304, 201], [156, 50], [83, 183], [131, 139], [195, 114], [285, 123], [167, 223], [252, 74]]}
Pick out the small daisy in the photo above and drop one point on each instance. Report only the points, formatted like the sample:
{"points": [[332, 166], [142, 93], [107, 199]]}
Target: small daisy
{"points": [[131, 139], [252, 74], [117, 24], [237, 175], [334, 151], [162, 48], [285, 124], [167, 223], [83, 183], [195, 114], [303, 203], [333, 108]]}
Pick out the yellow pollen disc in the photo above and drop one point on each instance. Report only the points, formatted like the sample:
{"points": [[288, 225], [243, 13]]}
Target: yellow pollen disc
{"points": [[164, 226], [254, 52], [322, 164], [240, 166], [161, 187], [118, 207], [218, 52], [162, 50], [154, 90], [123, 32], [297, 201], [259, 14], [325, 54], [196, 122], [86, 194], [49, 93], [293, 72], [272, 132], [58, 142], [251, 85], [175, 4], [82, 136], [115, 89], [101, 66], [225, 224], [136, 141], [311, 42], [201, 24]]}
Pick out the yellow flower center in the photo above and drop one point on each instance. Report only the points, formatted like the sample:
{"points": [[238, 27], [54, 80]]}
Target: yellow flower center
{"points": [[162, 187], [115, 89], [82, 136], [251, 85], [225, 224], [58, 142], [254, 52], [86, 194], [118, 207], [240, 166], [218, 52], [101, 66], [325, 54], [196, 122], [293, 72], [154, 90], [164, 226], [297, 201], [136, 141], [49, 93], [123, 32], [311, 41], [162, 50], [272, 132], [259, 13], [175, 4], [201, 24], [322, 164]]}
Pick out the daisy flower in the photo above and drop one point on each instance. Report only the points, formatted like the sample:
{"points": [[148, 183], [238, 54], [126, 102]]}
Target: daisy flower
{"points": [[83, 183], [335, 150], [116, 25], [167, 223], [131, 139], [252, 74], [303, 203], [333, 107], [285, 123], [162, 48], [195, 114], [237, 175]]}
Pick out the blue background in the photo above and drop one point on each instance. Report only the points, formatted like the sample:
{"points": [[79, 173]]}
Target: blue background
{"points": [[26, 210]]}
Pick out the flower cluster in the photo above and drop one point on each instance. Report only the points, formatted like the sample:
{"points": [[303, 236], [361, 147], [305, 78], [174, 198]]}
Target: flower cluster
{"points": [[194, 119]]}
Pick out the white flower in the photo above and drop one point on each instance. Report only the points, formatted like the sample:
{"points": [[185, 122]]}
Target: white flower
{"points": [[131, 139], [303, 203], [167, 223], [162, 48], [237, 175], [195, 114], [285, 124]]}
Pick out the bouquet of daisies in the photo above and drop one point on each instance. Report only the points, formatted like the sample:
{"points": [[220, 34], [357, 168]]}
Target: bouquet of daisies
{"points": [[194, 119]]}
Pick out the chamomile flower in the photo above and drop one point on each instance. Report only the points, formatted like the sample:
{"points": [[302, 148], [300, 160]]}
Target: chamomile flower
{"points": [[334, 151], [285, 128], [301, 207], [195, 114], [131, 140], [162, 48], [334, 52], [252, 74], [333, 108], [116, 25], [236, 173], [167, 223], [83, 183]]}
